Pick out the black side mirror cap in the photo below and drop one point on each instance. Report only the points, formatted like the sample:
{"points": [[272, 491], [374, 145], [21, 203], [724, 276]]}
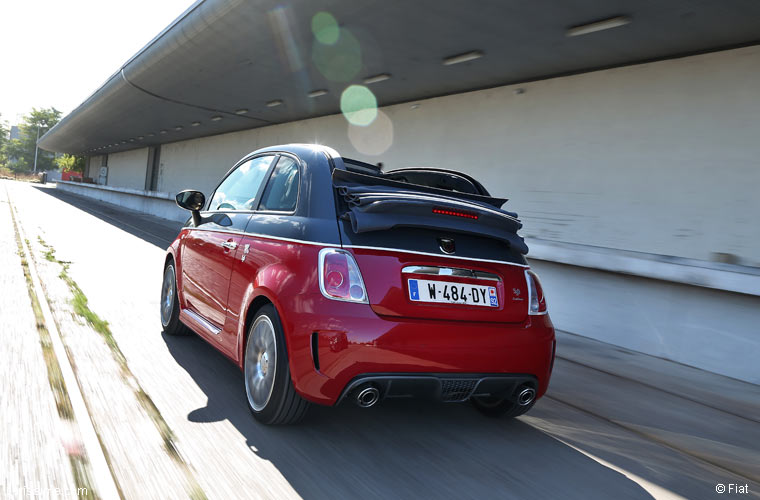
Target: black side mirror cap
{"points": [[192, 200]]}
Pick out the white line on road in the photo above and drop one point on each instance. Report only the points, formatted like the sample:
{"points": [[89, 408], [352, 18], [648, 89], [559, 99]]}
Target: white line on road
{"points": [[655, 490]]}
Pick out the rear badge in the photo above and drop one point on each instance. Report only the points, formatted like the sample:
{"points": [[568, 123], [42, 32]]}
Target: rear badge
{"points": [[447, 245]]}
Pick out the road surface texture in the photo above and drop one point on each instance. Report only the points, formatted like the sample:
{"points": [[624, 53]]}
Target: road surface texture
{"points": [[33, 433], [615, 424]]}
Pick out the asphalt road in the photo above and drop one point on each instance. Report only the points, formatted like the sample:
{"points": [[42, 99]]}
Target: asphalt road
{"points": [[569, 446]]}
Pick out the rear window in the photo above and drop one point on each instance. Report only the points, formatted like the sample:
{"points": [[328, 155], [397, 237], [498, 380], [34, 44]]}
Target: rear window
{"points": [[281, 193]]}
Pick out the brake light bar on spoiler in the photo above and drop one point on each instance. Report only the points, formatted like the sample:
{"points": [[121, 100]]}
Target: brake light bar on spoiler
{"points": [[454, 213]]}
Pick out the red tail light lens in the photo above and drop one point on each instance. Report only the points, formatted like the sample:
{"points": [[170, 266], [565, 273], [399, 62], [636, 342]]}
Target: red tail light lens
{"points": [[536, 299], [455, 213], [339, 276]]}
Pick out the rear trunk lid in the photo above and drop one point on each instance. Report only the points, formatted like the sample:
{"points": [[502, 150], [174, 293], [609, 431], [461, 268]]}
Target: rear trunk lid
{"points": [[411, 285], [430, 255]]}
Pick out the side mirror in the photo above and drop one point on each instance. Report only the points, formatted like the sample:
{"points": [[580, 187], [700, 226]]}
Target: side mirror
{"points": [[193, 201]]}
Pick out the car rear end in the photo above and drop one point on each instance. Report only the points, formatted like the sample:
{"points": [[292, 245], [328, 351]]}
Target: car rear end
{"points": [[452, 309]]}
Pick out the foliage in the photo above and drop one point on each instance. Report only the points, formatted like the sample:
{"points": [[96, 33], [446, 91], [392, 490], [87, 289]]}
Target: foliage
{"points": [[3, 140], [20, 152], [70, 163]]}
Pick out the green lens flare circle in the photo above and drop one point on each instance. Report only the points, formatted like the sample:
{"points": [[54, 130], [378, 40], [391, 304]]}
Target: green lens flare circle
{"points": [[341, 61], [359, 105], [325, 28]]}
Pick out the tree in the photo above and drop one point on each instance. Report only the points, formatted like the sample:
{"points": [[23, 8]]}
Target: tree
{"points": [[3, 141], [70, 163], [20, 152]]}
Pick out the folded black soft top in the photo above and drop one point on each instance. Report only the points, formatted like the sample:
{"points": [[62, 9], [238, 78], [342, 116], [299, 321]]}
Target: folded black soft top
{"points": [[344, 177], [376, 204]]}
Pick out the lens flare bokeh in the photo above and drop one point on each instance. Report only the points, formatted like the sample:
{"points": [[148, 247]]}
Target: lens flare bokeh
{"points": [[359, 105]]}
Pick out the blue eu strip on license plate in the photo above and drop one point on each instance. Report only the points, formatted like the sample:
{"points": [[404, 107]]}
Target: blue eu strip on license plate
{"points": [[414, 292]]}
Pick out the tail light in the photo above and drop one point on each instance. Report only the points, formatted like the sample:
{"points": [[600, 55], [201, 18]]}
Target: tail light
{"points": [[339, 276], [536, 299]]}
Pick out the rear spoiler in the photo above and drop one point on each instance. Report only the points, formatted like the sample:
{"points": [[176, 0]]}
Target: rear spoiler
{"points": [[382, 206]]}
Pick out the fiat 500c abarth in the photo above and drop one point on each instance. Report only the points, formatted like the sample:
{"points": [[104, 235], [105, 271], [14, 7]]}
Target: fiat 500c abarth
{"points": [[328, 279]]}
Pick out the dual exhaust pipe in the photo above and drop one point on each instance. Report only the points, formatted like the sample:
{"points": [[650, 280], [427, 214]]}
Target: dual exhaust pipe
{"points": [[525, 396], [367, 395]]}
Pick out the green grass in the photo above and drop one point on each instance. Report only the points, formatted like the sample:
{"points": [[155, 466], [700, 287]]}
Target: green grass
{"points": [[81, 304], [55, 376]]}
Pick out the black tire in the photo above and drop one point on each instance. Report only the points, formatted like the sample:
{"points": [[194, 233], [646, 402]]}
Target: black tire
{"points": [[280, 404], [169, 305], [499, 407]]}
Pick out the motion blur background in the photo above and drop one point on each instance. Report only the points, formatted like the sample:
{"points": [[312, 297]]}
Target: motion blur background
{"points": [[625, 134]]}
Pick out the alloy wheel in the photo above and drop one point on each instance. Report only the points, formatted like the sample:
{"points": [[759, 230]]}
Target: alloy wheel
{"points": [[167, 295], [260, 363]]}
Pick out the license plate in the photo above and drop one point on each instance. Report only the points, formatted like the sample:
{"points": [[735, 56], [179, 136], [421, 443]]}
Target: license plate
{"points": [[452, 293]]}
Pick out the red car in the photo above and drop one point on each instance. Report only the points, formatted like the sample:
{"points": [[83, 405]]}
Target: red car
{"points": [[326, 278]]}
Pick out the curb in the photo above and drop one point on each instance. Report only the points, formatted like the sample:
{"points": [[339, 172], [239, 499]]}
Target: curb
{"points": [[104, 481]]}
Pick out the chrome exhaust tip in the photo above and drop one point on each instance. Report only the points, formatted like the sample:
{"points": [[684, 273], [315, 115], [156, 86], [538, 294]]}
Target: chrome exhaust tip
{"points": [[526, 396], [367, 396]]}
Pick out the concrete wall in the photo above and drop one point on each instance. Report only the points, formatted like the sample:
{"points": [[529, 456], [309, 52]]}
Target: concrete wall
{"points": [[128, 169], [711, 329], [660, 158], [94, 169], [158, 204]]}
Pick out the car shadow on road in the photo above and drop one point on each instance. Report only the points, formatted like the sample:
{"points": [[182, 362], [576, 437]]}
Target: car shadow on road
{"points": [[154, 230], [401, 448]]}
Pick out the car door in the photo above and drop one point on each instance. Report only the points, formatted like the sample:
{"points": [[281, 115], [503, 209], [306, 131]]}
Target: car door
{"points": [[208, 250], [266, 242]]}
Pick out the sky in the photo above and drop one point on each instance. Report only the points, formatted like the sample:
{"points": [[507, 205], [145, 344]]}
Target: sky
{"points": [[55, 53]]}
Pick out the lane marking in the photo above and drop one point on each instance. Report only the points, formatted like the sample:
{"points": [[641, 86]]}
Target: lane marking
{"points": [[655, 439], [655, 490], [657, 388]]}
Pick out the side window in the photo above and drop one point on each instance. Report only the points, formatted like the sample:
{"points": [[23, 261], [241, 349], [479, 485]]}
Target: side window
{"points": [[238, 191], [281, 193]]}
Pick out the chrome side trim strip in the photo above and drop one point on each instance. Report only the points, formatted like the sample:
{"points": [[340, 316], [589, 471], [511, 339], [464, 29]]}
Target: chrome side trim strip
{"points": [[383, 249], [265, 236], [203, 321]]}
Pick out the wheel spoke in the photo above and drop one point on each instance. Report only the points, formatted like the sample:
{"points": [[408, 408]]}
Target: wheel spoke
{"points": [[260, 362], [167, 295]]}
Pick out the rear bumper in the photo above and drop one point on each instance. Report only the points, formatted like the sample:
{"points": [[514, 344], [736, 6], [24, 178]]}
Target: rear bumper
{"points": [[447, 387], [344, 342]]}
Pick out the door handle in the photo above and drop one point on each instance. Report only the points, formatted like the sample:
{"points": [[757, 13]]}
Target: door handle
{"points": [[230, 244]]}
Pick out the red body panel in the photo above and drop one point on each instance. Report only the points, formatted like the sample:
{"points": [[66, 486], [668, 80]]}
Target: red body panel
{"points": [[206, 273], [384, 337]]}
